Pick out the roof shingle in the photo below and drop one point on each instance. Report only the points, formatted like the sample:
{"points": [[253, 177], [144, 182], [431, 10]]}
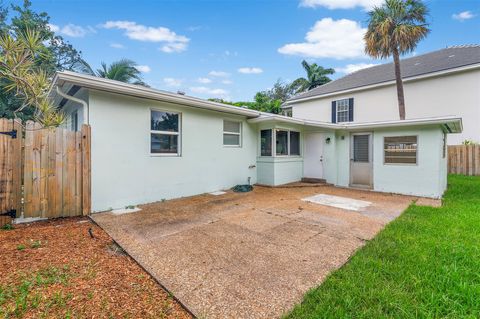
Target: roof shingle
{"points": [[445, 59]]}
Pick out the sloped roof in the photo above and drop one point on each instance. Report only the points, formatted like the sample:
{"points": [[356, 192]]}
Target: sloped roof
{"points": [[441, 60]]}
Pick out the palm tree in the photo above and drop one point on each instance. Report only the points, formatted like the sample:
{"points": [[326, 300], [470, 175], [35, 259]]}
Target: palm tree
{"points": [[316, 76], [123, 70], [395, 28]]}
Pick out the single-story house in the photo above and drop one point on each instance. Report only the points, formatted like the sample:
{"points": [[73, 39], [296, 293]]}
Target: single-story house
{"points": [[148, 145], [438, 83]]}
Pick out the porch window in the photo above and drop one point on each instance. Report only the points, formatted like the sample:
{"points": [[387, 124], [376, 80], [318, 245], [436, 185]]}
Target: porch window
{"points": [[282, 142], [232, 132], [164, 132], [400, 150], [266, 142], [294, 143]]}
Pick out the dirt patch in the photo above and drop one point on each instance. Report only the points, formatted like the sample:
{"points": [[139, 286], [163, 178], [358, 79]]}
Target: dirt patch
{"points": [[55, 269]]}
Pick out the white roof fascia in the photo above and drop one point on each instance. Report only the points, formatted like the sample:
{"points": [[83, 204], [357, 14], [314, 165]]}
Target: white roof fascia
{"points": [[454, 123], [112, 86]]}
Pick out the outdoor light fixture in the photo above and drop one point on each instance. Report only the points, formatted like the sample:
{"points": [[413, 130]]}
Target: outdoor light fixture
{"points": [[327, 140]]}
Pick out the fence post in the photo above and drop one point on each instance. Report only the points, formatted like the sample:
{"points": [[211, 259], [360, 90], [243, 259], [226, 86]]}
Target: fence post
{"points": [[86, 170]]}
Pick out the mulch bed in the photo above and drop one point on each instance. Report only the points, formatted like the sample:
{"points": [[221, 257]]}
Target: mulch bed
{"points": [[54, 269]]}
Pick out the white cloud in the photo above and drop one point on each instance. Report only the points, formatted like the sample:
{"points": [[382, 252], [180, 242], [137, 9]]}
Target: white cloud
{"points": [[53, 27], [328, 38], [341, 4], [143, 68], [172, 82], [204, 80], [209, 91], [71, 30], [250, 70], [350, 68], [194, 28], [174, 47], [117, 46], [134, 31], [219, 74], [227, 82], [462, 16]]}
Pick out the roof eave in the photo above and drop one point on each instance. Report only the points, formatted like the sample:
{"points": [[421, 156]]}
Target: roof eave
{"points": [[111, 86]]}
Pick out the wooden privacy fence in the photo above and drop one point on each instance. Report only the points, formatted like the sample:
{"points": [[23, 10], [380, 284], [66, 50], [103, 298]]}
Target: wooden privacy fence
{"points": [[53, 166], [10, 169], [464, 159]]}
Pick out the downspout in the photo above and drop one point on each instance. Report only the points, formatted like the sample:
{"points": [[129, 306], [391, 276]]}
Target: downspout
{"points": [[77, 100]]}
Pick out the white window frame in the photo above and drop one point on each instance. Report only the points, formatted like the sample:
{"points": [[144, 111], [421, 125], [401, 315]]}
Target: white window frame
{"points": [[179, 138], [239, 134], [347, 111]]}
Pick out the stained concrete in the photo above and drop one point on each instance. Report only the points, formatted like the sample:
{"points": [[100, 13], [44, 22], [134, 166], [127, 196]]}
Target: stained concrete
{"points": [[248, 255]]}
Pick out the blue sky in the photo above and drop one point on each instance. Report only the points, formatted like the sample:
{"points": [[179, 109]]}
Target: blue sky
{"points": [[233, 48]]}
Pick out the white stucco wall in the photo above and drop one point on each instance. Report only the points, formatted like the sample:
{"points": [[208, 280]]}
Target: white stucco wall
{"points": [[455, 94], [125, 173], [277, 170], [427, 178]]}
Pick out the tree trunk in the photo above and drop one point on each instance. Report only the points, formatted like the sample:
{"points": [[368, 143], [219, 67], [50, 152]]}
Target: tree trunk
{"points": [[398, 79]]}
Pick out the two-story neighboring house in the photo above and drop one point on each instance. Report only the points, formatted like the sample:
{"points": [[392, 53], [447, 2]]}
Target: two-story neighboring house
{"points": [[439, 83]]}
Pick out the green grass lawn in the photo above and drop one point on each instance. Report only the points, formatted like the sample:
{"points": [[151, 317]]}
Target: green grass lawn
{"points": [[425, 264]]}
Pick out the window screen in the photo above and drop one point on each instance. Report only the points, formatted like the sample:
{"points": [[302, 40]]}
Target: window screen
{"points": [[167, 144], [231, 133], [294, 143], [400, 150], [164, 132], [266, 142], [361, 148], [74, 121], [282, 142], [164, 121]]}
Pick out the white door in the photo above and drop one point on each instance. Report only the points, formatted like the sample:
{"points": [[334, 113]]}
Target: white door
{"points": [[361, 160], [313, 155]]}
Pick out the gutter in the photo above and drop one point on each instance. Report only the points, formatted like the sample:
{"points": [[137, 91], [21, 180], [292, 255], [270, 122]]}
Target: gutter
{"points": [[76, 100], [111, 86], [446, 121]]}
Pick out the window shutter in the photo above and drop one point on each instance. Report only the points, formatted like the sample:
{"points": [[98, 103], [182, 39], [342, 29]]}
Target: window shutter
{"points": [[350, 110], [334, 111]]}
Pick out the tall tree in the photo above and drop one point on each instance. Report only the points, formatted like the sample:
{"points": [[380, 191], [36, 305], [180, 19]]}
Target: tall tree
{"points": [[24, 79], [54, 53], [316, 76], [124, 70], [61, 54], [395, 28]]}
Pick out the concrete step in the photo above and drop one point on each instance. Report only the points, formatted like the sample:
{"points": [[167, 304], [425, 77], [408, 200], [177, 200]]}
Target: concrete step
{"points": [[311, 180]]}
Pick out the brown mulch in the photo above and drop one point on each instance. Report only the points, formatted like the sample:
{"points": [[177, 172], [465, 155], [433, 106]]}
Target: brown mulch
{"points": [[54, 269]]}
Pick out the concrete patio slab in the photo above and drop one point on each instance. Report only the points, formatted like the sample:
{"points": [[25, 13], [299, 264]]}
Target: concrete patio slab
{"points": [[338, 201], [248, 255]]}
